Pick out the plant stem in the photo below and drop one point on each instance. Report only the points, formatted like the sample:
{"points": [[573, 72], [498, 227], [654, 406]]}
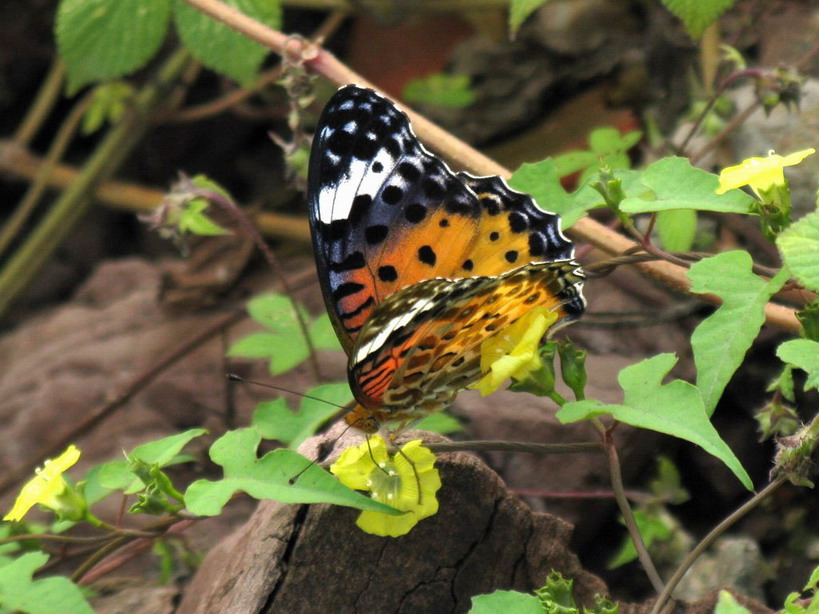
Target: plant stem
{"points": [[70, 207], [709, 539], [619, 490], [43, 103], [58, 146]]}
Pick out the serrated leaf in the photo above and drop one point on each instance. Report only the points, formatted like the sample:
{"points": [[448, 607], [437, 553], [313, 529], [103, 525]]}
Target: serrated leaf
{"points": [[19, 592], [323, 335], [675, 409], [163, 452], [100, 39], [269, 478], [697, 15], [799, 246], [519, 10], [722, 339], [542, 182], [678, 185], [508, 602], [677, 228], [443, 90], [804, 354], [220, 48], [275, 420]]}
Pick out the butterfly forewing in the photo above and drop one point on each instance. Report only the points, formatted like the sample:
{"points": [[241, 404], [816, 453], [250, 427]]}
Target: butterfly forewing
{"points": [[386, 213]]}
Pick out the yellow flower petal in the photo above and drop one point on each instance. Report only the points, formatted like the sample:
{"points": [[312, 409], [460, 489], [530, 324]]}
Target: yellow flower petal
{"points": [[46, 486], [512, 352], [392, 480], [760, 173]]}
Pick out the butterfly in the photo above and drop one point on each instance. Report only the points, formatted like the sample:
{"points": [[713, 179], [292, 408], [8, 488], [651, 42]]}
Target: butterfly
{"points": [[418, 265]]}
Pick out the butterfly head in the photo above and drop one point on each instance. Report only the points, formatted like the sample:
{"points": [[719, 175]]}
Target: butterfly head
{"points": [[363, 419]]}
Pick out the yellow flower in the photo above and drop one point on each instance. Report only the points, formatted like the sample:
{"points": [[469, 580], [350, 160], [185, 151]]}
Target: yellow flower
{"points": [[46, 487], [760, 173], [406, 481], [512, 352]]}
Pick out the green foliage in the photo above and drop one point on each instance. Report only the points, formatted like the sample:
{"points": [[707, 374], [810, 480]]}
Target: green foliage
{"points": [[281, 475], [108, 104], [675, 184], [275, 420], [607, 148], [442, 90], [802, 353], [677, 228], [728, 604], [542, 181], [509, 602], [519, 10], [220, 48], [653, 528], [798, 246], [554, 597], [721, 340], [676, 409], [19, 592], [100, 40], [697, 15], [120, 474], [284, 344], [439, 422]]}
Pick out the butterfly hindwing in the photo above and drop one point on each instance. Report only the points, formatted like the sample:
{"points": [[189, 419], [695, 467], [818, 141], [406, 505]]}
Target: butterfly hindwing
{"points": [[423, 344]]}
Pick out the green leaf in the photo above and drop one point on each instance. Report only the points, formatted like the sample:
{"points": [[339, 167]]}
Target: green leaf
{"points": [[652, 528], [799, 246], [721, 340], [697, 15], [442, 90], [323, 335], [164, 452], [220, 48], [439, 422], [275, 420], [677, 228], [519, 10], [804, 354], [608, 140], [194, 220], [508, 602], [107, 105], [19, 592], [92, 489], [269, 478], [675, 409], [678, 185], [542, 182], [285, 346], [727, 604], [101, 39]]}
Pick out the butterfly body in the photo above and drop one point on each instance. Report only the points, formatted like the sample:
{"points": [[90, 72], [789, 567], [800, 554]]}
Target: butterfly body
{"points": [[418, 265]]}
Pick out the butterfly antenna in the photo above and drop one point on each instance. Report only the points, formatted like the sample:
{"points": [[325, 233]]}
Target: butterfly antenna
{"points": [[238, 378]]}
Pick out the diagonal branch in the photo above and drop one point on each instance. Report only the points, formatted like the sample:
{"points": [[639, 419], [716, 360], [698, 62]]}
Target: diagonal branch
{"points": [[327, 65]]}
